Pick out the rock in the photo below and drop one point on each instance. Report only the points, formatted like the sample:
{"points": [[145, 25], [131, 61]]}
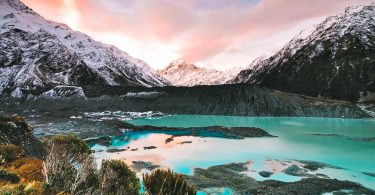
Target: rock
{"points": [[313, 166], [114, 150], [265, 173], [134, 149], [149, 147], [185, 142], [369, 174], [14, 130], [295, 171], [170, 139], [104, 141], [144, 165]]}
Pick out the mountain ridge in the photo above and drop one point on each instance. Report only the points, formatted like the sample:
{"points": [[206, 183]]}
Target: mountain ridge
{"points": [[334, 61], [38, 54]]}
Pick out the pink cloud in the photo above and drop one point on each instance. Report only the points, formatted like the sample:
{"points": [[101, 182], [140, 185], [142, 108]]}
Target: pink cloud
{"points": [[201, 32]]}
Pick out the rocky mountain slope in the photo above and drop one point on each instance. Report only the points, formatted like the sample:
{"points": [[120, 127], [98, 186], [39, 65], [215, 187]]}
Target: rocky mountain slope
{"points": [[181, 73], [37, 54], [14, 130], [237, 99], [336, 60]]}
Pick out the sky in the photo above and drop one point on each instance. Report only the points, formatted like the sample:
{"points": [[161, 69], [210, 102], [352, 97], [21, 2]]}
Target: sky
{"points": [[218, 34]]}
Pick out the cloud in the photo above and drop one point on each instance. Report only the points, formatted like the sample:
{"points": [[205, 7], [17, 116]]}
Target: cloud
{"points": [[199, 30]]}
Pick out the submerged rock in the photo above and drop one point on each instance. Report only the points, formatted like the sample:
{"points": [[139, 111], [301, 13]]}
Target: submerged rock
{"points": [[295, 171], [369, 174], [185, 142], [104, 141], [139, 165], [265, 173], [313, 166]]}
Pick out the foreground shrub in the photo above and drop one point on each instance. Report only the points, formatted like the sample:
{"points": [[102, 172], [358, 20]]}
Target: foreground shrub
{"points": [[21, 189], [165, 182], [117, 178], [10, 152], [69, 166], [28, 169], [6, 176]]}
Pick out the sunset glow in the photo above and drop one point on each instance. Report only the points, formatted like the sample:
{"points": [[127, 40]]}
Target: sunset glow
{"points": [[220, 34]]}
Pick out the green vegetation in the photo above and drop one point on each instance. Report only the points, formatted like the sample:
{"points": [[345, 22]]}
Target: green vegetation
{"points": [[19, 189], [6, 176], [70, 168], [165, 182], [9, 153], [29, 169], [117, 178]]}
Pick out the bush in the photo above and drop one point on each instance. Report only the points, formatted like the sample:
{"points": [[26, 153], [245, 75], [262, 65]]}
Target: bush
{"points": [[117, 178], [20, 189], [7, 176], [71, 143], [28, 169], [10, 152], [166, 182], [69, 166]]}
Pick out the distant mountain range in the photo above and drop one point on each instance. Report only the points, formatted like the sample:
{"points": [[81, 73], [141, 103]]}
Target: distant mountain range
{"points": [[37, 54], [46, 65], [336, 60], [180, 73]]}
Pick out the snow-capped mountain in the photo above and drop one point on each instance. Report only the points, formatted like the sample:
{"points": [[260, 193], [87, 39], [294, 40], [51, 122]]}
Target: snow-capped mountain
{"points": [[37, 54], [336, 60], [180, 73]]}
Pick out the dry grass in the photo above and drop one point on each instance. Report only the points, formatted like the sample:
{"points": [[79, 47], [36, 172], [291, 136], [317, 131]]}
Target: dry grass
{"points": [[28, 169]]}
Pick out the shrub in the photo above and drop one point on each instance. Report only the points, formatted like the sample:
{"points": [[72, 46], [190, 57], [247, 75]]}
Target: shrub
{"points": [[28, 169], [10, 152], [69, 166], [117, 178], [21, 189], [165, 182], [7, 176]]}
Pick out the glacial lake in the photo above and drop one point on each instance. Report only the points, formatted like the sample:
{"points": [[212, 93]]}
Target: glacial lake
{"points": [[345, 146]]}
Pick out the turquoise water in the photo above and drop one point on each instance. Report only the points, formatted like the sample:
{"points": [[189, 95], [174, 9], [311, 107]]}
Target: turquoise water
{"points": [[345, 149]]}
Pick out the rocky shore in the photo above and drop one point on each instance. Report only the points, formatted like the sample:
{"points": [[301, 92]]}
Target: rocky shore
{"points": [[234, 176]]}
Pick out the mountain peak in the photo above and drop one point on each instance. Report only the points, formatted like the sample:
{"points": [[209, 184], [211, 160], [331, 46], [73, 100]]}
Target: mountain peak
{"points": [[181, 73], [179, 64]]}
